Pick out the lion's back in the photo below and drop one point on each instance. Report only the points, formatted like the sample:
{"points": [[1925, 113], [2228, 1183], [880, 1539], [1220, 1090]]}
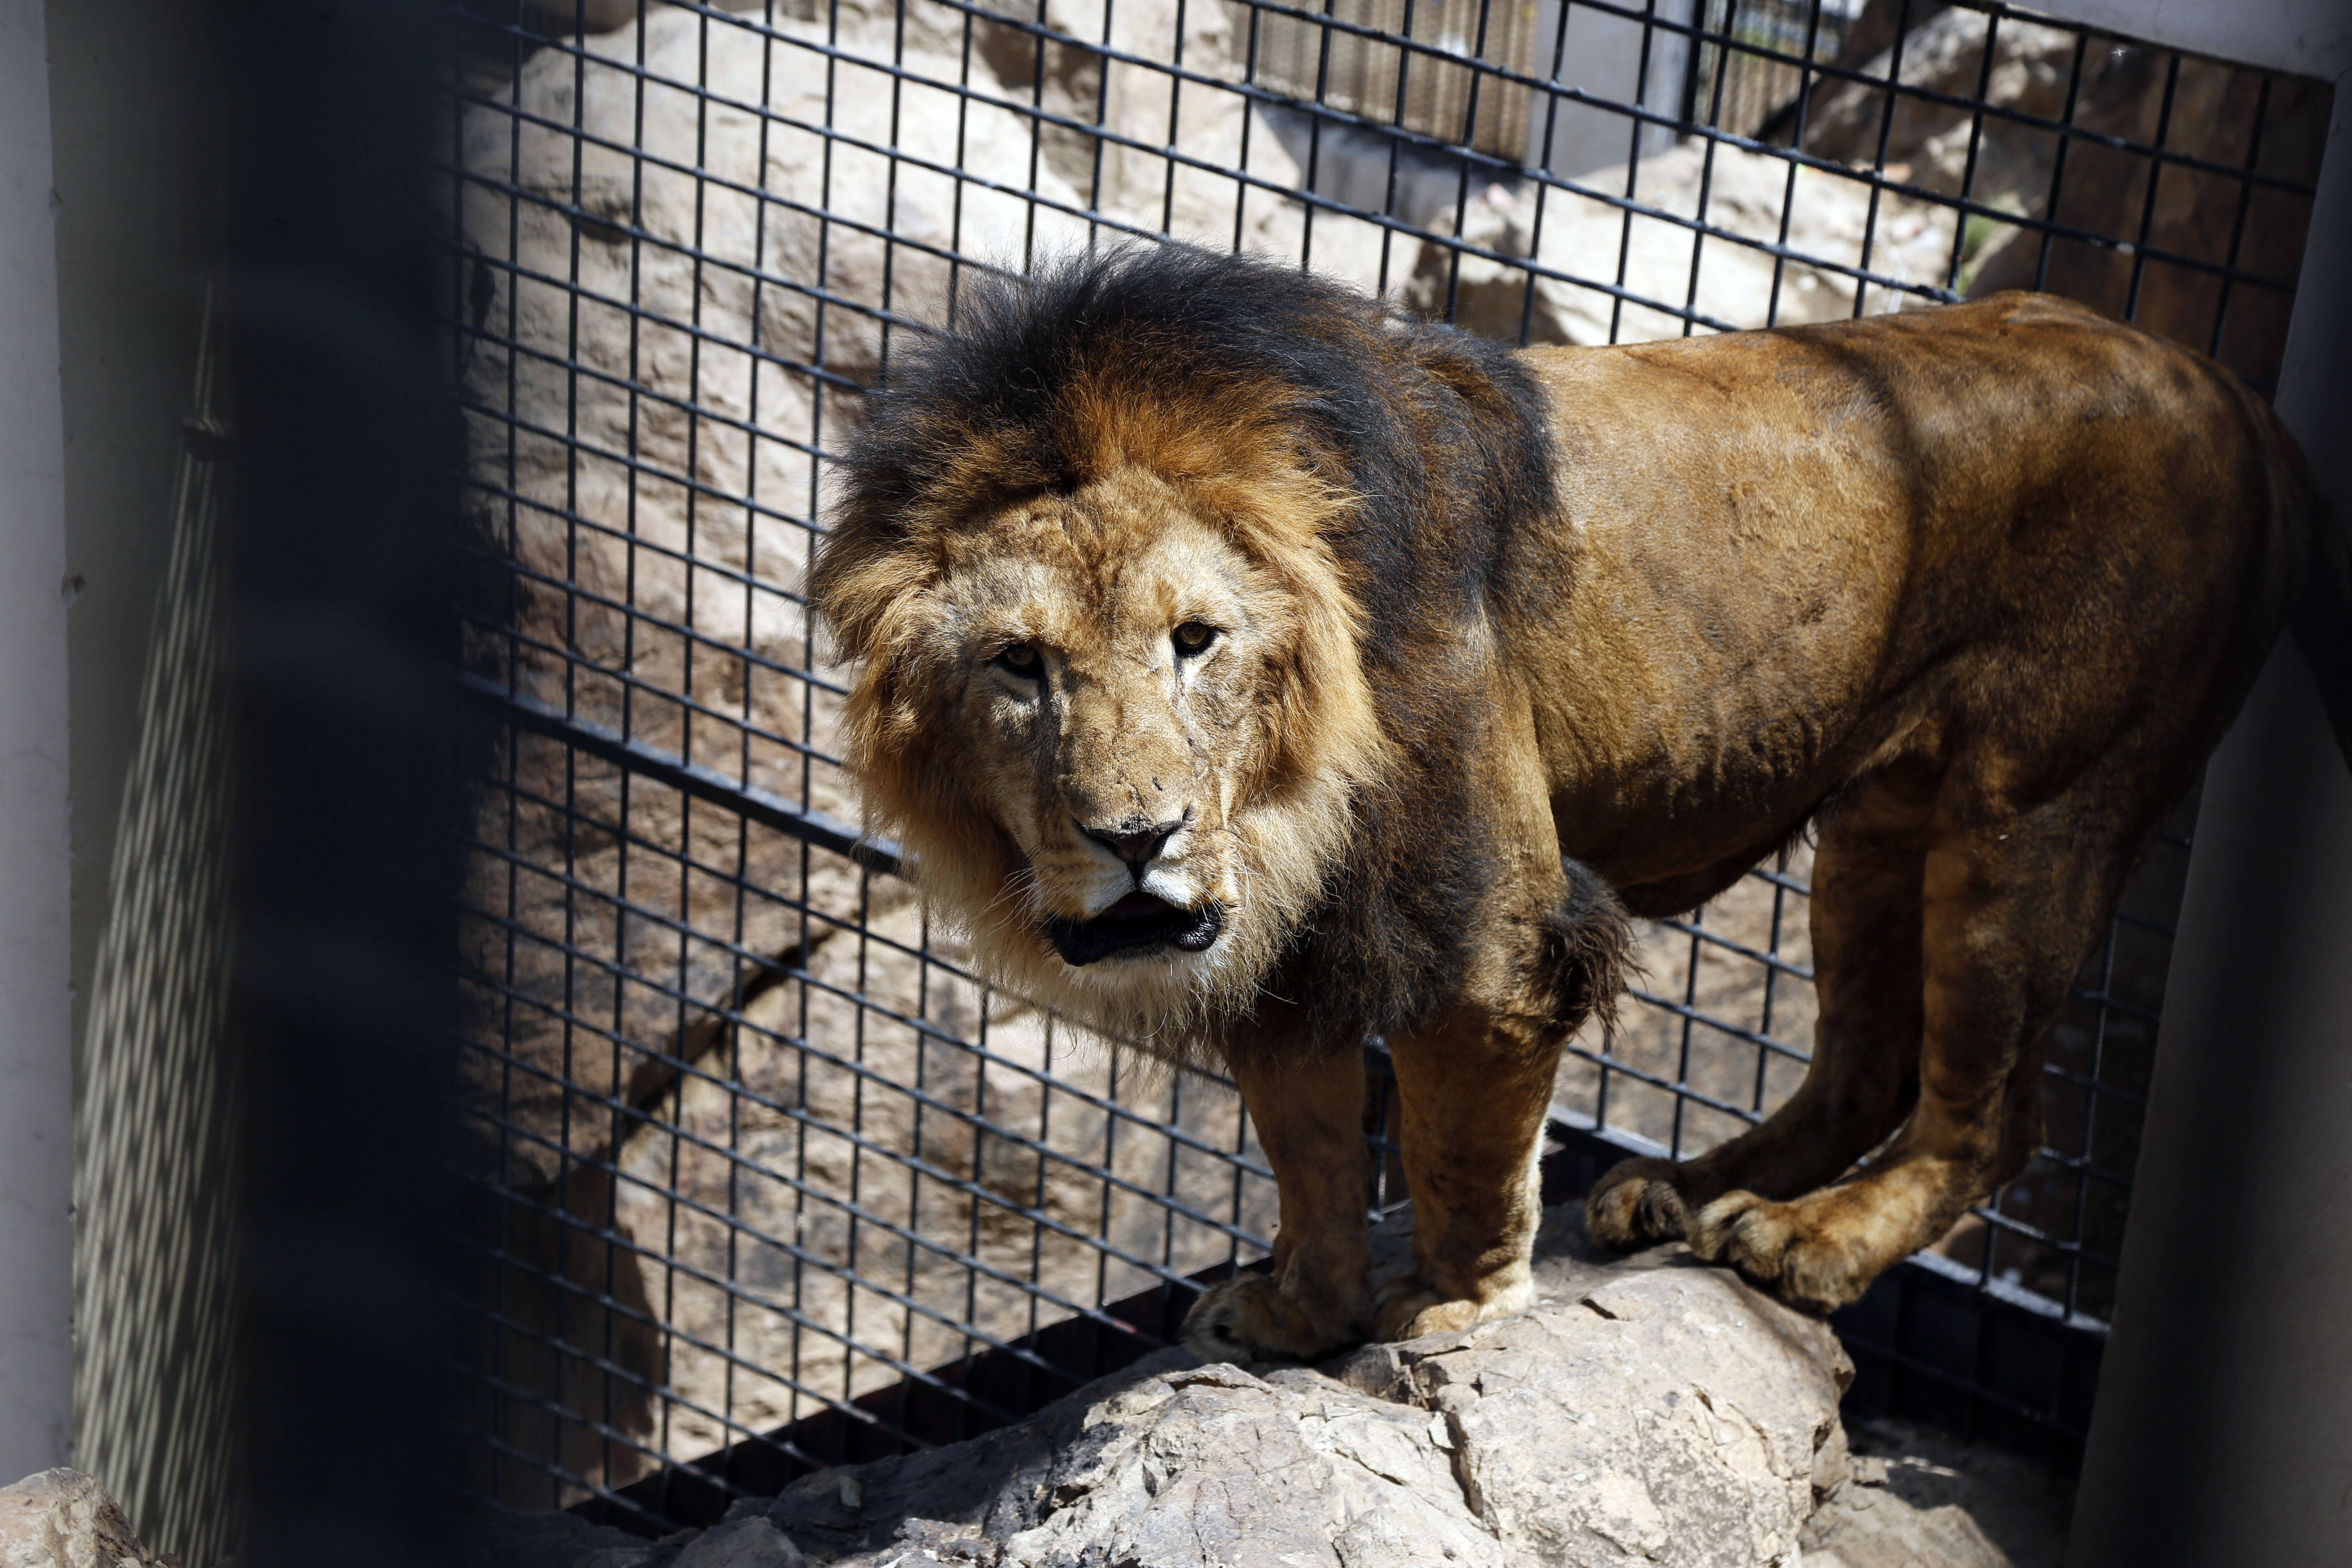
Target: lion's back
{"points": [[1788, 545]]}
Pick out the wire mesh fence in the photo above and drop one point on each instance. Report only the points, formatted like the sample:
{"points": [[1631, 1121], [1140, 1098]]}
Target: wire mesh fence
{"points": [[766, 1175]]}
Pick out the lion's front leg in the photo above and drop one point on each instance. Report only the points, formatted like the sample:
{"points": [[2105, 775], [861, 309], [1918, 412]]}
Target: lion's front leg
{"points": [[1317, 1298], [1474, 1094]]}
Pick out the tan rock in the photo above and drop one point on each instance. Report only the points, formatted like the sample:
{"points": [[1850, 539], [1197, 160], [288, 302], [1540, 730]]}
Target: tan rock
{"points": [[1928, 143], [1745, 194], [1918, 1495], [1644, 1412], [63, 1518]]}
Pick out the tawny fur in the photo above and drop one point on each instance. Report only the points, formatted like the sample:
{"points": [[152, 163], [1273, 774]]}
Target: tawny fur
{"points": [[1502, 640]]}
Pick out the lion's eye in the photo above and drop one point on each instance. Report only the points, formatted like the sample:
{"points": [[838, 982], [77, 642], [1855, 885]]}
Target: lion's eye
{"points": [[1192, 636], [1022, 659]]}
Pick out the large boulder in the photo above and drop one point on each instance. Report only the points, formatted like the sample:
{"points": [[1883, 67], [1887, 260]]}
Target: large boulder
{"points": [[63, 1518], [1643, 1412], [1646, 1410], [1718, 205], [1929, 142]]}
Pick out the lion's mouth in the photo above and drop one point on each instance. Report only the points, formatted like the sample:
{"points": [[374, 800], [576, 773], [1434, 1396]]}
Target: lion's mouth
{"points": [[1136, 920]]}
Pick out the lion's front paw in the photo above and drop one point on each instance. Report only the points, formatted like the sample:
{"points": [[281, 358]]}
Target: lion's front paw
{"points": [[1409, 1309], [1248, 1319], [1635, 1203], [1781, 1247]]}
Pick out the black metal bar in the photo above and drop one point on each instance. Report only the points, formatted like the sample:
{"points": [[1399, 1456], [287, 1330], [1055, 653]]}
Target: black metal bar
{"points": [[342, 867], [763, 806]]}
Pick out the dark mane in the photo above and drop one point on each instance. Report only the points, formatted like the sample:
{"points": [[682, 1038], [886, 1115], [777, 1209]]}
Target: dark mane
{"points": [[1441, 439], [1441, 435]]}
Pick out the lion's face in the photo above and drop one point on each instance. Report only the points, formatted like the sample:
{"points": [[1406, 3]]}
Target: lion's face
{"points": [[1095, 723], [1111, 704]]}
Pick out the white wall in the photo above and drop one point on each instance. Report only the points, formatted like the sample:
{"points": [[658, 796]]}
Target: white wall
{"points": [[36, 953]]}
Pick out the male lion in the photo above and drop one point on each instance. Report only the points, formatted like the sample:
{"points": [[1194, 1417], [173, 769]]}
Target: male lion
{"points": [[1251, 671]]}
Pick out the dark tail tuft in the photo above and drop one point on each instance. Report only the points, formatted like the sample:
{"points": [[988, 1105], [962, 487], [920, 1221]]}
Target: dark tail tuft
{"points": [[1592, 948]]}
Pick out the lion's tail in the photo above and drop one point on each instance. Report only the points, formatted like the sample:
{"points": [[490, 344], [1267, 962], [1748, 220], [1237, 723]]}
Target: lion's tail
{"points": [[2322, 621]]}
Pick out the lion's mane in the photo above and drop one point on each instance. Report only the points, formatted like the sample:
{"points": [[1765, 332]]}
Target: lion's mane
{"points": [[1377, 466]]}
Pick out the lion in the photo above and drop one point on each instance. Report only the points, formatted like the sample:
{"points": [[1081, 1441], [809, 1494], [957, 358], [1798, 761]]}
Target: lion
{"points": [[1251, 671]]}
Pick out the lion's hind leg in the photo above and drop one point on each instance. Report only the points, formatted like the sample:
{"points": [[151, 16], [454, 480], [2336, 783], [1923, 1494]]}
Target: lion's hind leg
{"points": [[1867, 890], [2011, 902]]}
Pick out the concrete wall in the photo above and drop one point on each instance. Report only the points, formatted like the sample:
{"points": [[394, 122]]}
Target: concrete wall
{"points": [[104, 210], [138, 186], [36, 1018], [137, 200]]}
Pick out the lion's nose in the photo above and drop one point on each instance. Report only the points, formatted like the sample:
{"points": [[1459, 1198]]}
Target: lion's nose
{"points": [[1134, 845]]}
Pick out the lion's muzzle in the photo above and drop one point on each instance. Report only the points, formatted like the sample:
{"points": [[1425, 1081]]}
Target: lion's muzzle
{"points": [[1136, 920]]}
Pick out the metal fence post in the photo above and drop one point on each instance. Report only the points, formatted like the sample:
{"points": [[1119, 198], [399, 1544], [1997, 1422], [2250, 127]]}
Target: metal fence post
{"points": [[2224, 1431], [341, 1009]]}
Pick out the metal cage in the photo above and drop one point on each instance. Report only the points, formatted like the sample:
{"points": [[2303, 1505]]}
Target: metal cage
{"points": [[765, 1177]]}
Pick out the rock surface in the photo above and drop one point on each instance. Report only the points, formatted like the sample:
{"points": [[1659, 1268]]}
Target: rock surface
{"points": [[1750, 195], [1921, 1496], [63, 1518], [1645, 1411]]}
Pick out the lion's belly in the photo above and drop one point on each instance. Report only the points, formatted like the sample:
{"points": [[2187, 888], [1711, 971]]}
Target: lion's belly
{"points": [[1695, 802]]}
